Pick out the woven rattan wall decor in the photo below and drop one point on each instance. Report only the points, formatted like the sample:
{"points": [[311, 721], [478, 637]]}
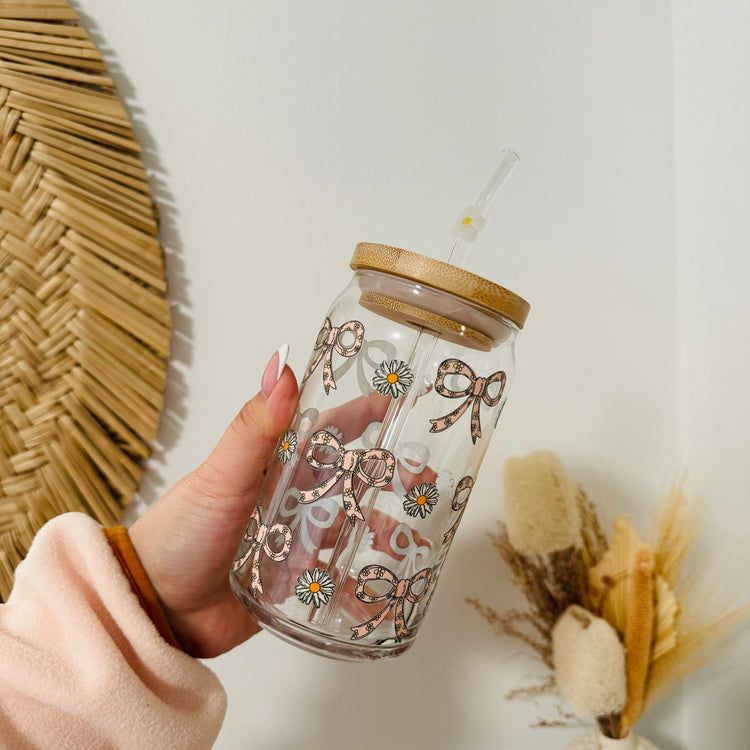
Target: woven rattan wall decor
{"points": [[84, 314]]}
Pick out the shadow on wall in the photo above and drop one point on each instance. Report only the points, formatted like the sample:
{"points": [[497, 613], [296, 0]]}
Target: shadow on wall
{"points": [[176, 393]]}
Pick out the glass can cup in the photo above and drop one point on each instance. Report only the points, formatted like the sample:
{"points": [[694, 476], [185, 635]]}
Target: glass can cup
{"points": [[363, 497]]}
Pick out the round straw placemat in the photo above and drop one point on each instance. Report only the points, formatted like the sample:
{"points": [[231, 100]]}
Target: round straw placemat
{"points": [[84, 314]]}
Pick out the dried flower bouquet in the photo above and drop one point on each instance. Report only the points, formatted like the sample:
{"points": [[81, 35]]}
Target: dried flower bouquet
{"points": [[615, 620]]}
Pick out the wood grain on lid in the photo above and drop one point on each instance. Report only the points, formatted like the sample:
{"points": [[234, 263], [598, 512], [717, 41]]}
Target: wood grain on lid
{"points": [[443, 276]]}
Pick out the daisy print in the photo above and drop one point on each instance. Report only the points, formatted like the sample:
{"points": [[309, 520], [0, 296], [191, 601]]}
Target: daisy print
{"points": [[421, 499], [315, 587], [444, 483], [393, 378], [469, 225], [332, 430], [288, 447], [327, 450]]}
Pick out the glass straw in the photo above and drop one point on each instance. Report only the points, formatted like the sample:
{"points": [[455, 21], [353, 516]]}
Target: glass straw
{"points": [[476, 213], [418, 360]]}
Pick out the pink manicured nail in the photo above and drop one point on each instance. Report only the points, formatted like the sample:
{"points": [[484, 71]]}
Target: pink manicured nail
{"points": [[273, 370]]}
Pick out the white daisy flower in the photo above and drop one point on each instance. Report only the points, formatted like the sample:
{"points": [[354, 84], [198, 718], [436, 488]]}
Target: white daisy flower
{"points": [[444, 483], [392, 378], [468, 225], [421, 499], [315, 587], [288, 447], [332, 430]]}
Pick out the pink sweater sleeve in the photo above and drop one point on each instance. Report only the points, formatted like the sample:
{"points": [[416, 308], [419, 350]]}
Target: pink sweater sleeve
{"points": [[81, 664]]}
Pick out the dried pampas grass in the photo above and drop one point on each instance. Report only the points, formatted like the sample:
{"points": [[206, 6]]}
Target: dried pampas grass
{"points": [[675, 535], [540, 505], [699, 624], [551, 537], [579, 585], [639, 630], [701, 632], [550, 584], [589, 662]]}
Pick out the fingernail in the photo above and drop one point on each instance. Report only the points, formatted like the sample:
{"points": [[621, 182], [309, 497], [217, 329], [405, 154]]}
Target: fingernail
{"points": [[273, 370]]}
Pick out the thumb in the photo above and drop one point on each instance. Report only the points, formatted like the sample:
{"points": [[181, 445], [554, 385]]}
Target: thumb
{"points": [[235, 467], [197, 523]]}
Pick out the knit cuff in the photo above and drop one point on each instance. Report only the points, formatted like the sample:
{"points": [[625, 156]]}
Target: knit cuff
{"points": [[124, 552]]}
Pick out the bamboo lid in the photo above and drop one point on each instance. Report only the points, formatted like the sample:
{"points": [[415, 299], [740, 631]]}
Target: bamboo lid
{"points": [[443, 276]]}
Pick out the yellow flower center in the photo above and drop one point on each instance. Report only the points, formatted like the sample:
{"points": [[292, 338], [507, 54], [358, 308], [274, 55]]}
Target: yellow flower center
{"points": [[392, 377], [286, 446], [314, 587], [467, 221], [421, 500]]}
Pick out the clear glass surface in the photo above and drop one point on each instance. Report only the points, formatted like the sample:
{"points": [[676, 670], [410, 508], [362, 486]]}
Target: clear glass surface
{"points": [[367, 488]]}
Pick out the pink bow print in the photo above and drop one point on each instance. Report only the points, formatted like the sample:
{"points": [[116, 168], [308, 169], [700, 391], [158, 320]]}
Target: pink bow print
{"points": [[348, 464], [401, 591], [459, 503], [259, 543], [329, 339], [475, 393]]}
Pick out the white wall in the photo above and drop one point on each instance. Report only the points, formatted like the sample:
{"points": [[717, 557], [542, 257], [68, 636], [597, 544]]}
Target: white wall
{"points": [[712, 105], [280, 134]]}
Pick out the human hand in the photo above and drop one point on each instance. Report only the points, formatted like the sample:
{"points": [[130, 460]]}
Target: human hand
{"points": [[187, 540]]}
